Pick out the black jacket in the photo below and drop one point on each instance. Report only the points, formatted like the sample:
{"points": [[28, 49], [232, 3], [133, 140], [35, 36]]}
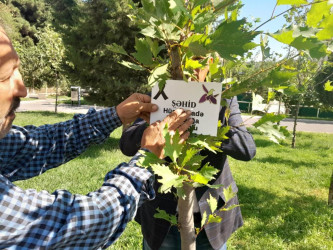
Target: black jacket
{"points": [[240, 146]]}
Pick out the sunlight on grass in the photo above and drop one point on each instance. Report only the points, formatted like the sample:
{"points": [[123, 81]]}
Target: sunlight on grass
{"points": [[283, 191]]}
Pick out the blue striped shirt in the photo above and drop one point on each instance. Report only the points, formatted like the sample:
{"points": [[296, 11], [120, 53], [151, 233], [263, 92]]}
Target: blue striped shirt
{"points": [[61, 220]]}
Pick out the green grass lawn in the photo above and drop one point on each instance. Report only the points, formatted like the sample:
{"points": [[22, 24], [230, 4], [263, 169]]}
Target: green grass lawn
{"points": [[283, 191]]}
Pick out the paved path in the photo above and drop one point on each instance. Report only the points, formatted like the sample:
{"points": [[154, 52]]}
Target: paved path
{"points": [[302, 124], [306, 125], [49, 105]]}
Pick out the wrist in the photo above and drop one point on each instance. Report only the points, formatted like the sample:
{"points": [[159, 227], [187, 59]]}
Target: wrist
{"points": [[119, 113]]}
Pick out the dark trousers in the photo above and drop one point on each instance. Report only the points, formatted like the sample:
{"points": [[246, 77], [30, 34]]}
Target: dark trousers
{"points": [[172, 241]]}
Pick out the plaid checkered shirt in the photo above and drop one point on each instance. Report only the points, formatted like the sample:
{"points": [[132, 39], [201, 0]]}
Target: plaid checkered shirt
{"points": [[61, 220]]}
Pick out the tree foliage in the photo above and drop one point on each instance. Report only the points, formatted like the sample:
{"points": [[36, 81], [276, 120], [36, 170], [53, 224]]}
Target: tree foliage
{"points": [[323, 85], [93, 65]]}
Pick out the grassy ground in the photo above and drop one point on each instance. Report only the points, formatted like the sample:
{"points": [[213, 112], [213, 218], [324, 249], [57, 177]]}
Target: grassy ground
{"points": [[283, 191]]}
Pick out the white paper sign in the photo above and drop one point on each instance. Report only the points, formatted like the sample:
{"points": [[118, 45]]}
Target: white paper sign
{"points": [[202, 98]]}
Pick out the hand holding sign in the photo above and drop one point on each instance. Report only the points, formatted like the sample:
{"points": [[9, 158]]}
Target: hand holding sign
{"points": [[153, 138]]}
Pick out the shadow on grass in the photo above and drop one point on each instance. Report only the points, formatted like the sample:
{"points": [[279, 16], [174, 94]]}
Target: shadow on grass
{"points": [[297, 163], [94, 151], [291, 218], [262, 143]]}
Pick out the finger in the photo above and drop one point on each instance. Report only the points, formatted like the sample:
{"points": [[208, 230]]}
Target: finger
{"points": [[185, 126], [180, 120], [148, 107], [143, 98], [171, 117], [145, 116], [157, 123], [184, 137]]}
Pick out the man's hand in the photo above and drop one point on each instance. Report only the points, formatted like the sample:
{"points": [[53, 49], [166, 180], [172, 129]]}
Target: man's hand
{"points": [[135, 106], [153, 139]]}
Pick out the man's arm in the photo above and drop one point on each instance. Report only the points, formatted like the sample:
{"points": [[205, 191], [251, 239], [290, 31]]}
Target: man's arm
{"points": [[240, 144], [130, 141], [38, 149], [31, 219]]}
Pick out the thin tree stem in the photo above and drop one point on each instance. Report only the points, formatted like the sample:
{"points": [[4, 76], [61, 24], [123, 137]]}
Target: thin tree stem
{"points": [[186, 220]]}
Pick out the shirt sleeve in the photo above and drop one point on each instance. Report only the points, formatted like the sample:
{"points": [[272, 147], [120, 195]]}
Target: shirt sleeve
{"points": [[240, 144], [31, 219], [30, 151], [130, 140]]}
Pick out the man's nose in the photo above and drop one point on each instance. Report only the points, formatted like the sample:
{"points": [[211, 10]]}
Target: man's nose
{"points": [[19, 89]]}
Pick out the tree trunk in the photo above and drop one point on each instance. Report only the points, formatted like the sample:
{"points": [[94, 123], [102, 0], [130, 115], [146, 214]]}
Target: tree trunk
{"points": [[176, 62], [330, 192], [185, 207], [295, 125], [279, 110], [186, 220], [56, 102]]}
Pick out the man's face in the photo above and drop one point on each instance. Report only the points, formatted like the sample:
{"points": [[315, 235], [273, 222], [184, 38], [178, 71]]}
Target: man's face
{"points": [[11, 84]]}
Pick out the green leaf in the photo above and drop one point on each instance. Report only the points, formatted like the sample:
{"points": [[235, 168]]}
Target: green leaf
{"points": [[212, 202], [220, 5], [198, 142], [208, 171], [206, 174], [328, 86], [181, 193], [187, 156], [269, 118], [293, 36], [215, 70], [237, 42], [116, 49], [267, 125], [172, 146], [222, 131], [148, 159], [197, 44], [199, 2], [143, 54], [214, 219], [159, 75], [178, 6], [291, 2], [202, 20], [327, 32], [192, 64], [228, 194], [273, 131], [162, 214], [316, 14], [195, 162], [132, 65], [198, 178], [168, 179], [275, 79], [203, 219], [229, 208], [154, 46], [151, 31], [214, 186]]}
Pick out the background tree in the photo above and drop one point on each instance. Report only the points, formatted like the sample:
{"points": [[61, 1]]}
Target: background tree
{"points": [[323, 87], [94, 66]]}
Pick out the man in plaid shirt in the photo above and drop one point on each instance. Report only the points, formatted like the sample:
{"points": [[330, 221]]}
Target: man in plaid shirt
{"points": [[31, 219]]}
